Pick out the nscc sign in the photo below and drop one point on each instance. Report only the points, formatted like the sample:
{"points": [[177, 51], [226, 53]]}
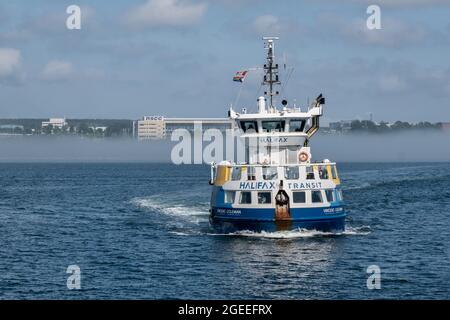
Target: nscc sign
{"points": [[154, 118]]}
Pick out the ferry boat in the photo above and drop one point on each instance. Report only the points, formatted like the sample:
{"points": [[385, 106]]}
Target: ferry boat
{"points": [[278, 187]]}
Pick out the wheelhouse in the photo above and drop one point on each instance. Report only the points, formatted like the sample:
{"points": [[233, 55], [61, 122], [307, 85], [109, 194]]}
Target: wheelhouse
{"points": [[275, 125]]}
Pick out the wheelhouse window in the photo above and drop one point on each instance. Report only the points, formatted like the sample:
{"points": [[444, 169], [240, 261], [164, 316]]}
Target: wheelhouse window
{"points": [[316, 197], [269, 173], [249, 126], [297, 125], [291, 173], [246, 197], [236, 173], [310, 173], [264, 197], [299, 196], [273, 126], [330, 195], [229, 196]]}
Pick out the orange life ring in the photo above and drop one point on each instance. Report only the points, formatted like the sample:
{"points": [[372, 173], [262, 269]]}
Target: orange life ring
{"points": [[303, 156]]}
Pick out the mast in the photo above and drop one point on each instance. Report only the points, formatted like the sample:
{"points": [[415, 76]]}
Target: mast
{"points": [[271, 69]]}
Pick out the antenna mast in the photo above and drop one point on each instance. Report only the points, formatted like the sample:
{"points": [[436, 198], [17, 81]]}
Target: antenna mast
{"points": [[271, 69]]}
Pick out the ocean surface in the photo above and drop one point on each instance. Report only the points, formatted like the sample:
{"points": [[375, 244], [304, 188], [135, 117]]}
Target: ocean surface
{"points": [[141, 231]]}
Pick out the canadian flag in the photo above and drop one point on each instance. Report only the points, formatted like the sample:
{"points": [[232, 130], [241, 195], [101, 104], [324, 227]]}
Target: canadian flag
{"points": [[240, 75]]}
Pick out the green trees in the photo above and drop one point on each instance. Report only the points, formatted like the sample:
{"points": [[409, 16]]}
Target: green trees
{"points": [[83, 128], [47, 129], [384, 127]]}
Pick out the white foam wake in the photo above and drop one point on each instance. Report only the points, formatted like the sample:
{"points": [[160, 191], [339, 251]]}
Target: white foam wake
{"points": [[169, 206], [293, 234], [356, 186], [197, 213]]}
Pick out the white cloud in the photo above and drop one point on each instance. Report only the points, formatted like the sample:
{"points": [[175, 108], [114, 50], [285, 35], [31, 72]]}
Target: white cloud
{"points": [[165, 13], [271, 25], [57, 70], [10, 61], [393, 33], [408, 2], [267, 24], [397, 3], [391, 83], [50, 22]]}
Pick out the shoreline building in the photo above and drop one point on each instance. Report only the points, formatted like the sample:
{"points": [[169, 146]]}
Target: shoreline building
{"points": [[55, 123], [340, 126], [158, 127]]}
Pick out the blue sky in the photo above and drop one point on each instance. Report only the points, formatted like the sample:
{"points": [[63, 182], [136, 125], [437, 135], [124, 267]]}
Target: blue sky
{"points": [[177, 57]]}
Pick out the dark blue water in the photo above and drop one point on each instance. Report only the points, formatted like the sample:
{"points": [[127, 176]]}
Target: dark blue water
{"points": [[140, 231]]}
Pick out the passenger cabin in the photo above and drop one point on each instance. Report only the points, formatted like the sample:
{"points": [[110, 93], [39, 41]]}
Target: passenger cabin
{"points": [[307, 185]]}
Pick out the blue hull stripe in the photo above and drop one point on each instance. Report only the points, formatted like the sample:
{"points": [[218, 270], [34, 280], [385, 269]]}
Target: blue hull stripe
{"points": [[268, 214]]}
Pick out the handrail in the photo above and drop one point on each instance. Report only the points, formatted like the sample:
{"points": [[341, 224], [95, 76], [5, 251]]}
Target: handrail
{"points": [[278, 165]]}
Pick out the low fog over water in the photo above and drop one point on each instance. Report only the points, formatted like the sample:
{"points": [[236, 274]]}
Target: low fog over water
{"points": [[403, 147]]}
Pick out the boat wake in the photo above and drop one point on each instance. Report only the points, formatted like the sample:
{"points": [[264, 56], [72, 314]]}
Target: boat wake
{"points": [[363, 185], [185, 218], [197, 212], [299, 233]]}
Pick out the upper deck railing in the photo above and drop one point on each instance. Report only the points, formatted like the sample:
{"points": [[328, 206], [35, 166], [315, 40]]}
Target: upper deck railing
{"points": [[310, 164], [225, 171]]}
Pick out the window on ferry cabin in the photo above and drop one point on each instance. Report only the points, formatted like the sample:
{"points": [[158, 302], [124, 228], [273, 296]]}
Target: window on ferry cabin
{"points": [[296, 125], [334, 172], [249, 126], [316, 196], [264, 197], [309, 173], [330, 195], [273, 126], [251, 173], [236, 173], [269, 173], [246, 197], [323, 172], [229, 197], [291, 173], [339, 195], [299, 197]]}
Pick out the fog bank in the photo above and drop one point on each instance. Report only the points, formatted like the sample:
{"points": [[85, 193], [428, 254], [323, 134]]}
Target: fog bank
{"points": [[401, 147], [406, 147], [81, 149]]}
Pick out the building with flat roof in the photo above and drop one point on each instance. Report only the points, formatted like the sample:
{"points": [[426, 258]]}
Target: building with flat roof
{"points": [[55, 123], [340, 126], [158, 127]]}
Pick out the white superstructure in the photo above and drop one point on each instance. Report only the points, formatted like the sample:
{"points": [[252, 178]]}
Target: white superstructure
{"points": [[55, 123]]}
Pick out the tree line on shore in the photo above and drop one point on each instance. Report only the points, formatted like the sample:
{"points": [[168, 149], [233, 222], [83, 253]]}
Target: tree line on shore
{"points": [[83, 127], [358, 126]]}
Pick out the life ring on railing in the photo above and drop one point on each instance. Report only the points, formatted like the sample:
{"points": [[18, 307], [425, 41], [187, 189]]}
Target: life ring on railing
{"points": [[303, 156]]}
